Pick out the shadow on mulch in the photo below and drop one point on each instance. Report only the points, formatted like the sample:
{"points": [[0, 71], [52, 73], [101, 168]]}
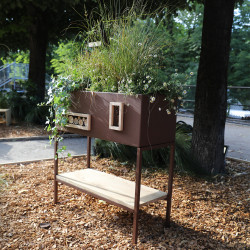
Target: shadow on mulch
{"points": [[204, 215], [152, 231]]}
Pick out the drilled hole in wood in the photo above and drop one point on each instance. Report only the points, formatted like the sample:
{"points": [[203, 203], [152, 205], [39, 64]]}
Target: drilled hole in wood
{"points": [[71, 119], [116, 116], [81, 122], [76, 120]]}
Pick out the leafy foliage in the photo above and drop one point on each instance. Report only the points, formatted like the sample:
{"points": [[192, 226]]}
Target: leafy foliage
{"points": [[154, 158], [63, 54], [59, 102], [239, 70], [130, 61], [3, 101], [24, 106], [18, 57], [26, 109]]}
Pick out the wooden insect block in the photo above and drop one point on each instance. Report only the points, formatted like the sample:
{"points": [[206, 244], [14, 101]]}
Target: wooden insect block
{"points": [[78, 120], [116, 110]]}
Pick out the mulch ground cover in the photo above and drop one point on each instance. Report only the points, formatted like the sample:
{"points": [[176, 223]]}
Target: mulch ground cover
{"points": [[21, 130], [206, 213]]}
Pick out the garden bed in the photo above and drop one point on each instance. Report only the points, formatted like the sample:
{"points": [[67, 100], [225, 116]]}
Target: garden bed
{"points": [[205, 214]]}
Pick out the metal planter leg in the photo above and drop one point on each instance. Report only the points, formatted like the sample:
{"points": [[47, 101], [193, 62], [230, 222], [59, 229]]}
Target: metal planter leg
{"points": [[55, 171], [88, 151], [170, 185], [137, 195]]}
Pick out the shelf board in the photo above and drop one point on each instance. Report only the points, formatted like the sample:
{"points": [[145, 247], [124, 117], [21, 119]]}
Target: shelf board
{"points": [[111, 188]]}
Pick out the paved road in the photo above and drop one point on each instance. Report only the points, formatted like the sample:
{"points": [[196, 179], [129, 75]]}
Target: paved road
{"points": [[32, 150], [236, 136]]}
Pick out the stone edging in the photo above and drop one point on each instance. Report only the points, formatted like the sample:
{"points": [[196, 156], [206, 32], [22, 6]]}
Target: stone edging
{"points": [[237, 159]]}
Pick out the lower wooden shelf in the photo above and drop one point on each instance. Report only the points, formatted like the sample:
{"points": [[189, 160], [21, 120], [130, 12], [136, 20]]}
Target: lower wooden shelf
{"points": [[111, 188]]}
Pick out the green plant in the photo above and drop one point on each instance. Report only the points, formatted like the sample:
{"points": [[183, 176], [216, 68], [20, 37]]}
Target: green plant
{"points": [[63, 54], [18, 104], [154, 158], [18, 57], [129, 60], [59, 101], [24, 106], [3, 100]]}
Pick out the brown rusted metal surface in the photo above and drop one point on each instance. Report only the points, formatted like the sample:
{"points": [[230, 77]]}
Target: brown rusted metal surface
{"points": [[144, 123], [170, 185], [137, 195], [146, 126], [88, 151]]}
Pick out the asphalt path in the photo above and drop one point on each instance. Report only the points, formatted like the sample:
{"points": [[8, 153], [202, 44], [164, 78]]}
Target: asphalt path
{"points": [[22, 150], [237, 137]]}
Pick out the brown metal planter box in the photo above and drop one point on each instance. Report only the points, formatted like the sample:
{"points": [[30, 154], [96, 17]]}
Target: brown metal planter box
{"points": [[144, 123], [129, 120]]}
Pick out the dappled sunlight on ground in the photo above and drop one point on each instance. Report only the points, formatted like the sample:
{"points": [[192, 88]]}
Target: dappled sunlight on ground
{"points": [[206, 214]]}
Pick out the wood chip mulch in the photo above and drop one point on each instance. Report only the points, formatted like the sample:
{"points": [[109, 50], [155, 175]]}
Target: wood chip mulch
{"points": [[206, 214], [21, 130]]}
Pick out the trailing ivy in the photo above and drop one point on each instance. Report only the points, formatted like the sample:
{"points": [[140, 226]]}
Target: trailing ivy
{"points": [[59, 93]]}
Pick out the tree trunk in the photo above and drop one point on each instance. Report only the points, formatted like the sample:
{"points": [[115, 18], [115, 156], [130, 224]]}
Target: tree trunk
{"points": [[211, 90], [38, 46]]}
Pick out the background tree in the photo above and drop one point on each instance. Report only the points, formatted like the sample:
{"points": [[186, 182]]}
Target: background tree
{"points": [[211, 90], [239, 70], [28, 24], [32, 25]]}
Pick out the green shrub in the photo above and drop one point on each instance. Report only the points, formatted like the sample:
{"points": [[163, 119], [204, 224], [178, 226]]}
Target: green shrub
{"points": [[129, 58], [24, 106], [155, 158], [3, 100]]}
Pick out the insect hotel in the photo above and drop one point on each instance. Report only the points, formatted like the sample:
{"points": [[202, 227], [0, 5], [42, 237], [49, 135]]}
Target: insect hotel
{"points": [[128, 120]]}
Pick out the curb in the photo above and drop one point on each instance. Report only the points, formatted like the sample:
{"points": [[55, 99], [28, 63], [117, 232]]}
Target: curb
{"points": [[237, 159], [33, 138], [76, 156]]}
